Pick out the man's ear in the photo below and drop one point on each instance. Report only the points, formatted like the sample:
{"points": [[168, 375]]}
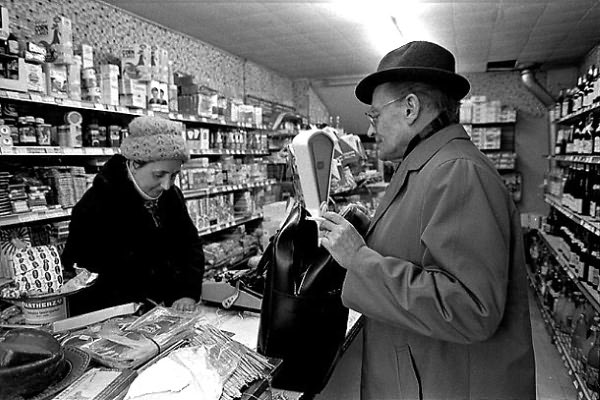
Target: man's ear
{"points": [[413, 108]]}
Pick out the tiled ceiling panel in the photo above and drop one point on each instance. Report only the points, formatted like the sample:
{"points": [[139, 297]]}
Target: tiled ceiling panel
{"points": [[325, 38]]}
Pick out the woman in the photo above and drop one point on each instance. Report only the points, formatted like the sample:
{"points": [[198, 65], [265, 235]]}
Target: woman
{"points": [[132, 226]]}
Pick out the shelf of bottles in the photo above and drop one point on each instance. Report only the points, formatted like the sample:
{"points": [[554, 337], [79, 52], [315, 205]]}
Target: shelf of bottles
{"points": [[227, 225], [571, 319], [35, 216], [189, 194], [570, 263], [588, 223], [577, 159]]}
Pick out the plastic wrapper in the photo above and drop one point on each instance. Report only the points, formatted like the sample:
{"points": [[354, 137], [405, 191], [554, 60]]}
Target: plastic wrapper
{"points": [[197, 372], [82, 279], [119, 346]]}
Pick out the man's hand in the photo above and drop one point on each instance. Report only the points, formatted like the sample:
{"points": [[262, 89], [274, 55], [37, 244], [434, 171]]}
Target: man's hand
{"points": [[340, 238], [184, 304]]}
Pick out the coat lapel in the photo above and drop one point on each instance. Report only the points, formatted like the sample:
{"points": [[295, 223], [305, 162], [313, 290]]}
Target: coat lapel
{"points": [[414, 161]]}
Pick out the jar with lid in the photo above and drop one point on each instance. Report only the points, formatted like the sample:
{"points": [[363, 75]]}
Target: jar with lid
{"points": [[42, 132], [27, 135], [114, 136], [91, 137]]}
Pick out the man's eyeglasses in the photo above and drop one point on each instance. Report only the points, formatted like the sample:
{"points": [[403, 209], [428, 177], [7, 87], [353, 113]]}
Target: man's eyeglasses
{"points": [[374, 113]]}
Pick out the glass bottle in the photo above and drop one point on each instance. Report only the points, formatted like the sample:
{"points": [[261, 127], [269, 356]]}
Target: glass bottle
{"points": [[593, 360]]}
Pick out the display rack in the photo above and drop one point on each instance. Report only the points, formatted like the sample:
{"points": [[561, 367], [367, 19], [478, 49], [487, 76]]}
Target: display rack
{"points": [[57, 151], [36, 98], [559, 340], [226, 225], [577, 159], [35, 216], [190, 194], [586, 222], [577, 114], [554, 244]]}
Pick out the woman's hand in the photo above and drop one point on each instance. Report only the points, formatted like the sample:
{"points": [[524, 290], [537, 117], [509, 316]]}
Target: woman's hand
{"points": [[184, 304]]}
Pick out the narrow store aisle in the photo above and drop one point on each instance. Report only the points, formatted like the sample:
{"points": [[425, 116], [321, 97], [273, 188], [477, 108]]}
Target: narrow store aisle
{"points": [[553, 382]]}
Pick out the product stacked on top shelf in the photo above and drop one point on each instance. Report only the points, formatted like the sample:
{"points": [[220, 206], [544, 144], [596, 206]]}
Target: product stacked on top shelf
{"points": [[558, 274], [491, 127]]}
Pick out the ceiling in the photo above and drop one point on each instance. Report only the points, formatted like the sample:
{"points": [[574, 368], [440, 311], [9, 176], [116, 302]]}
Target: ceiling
{"points": [[318, 39]]}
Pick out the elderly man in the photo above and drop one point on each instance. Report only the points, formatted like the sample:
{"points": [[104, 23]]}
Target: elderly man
{"points": [[440, 275]]}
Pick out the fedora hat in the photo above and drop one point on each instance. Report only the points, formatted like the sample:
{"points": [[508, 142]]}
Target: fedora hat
{"points": [[416, 61]]}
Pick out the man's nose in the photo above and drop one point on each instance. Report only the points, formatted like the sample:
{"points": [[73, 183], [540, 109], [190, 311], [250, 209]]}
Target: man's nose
{"points": [[371, 131]]}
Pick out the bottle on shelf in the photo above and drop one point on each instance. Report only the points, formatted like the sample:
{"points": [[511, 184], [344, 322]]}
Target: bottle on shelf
{"points": [[586, 140], [596, 137], [593, 360]]}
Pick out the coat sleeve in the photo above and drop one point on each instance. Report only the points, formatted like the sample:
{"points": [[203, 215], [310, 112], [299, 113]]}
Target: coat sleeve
{"points": [[190, 272], [457, 292], [87, 234]]}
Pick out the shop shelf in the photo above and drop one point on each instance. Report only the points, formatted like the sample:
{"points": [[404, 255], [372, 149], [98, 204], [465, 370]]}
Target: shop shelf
{"points": [[554, 244], [576, 115], [587, 222], [36, 216], [226, 225], [86, 105], [225, 152], [57, 151], [190, 194], [577, 159], [496, 123], [561, 344]]}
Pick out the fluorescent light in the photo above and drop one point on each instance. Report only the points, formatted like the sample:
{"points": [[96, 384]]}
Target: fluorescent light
{"points": [[376, 19]]}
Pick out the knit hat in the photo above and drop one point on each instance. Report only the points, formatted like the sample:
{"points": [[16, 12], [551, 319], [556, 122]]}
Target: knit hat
{"points": [[154, 139]]}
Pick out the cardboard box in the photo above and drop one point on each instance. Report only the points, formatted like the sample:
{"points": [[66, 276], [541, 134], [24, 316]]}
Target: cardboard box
{"points": [[131, 100], [109, 71], [19, 84], [110, 90], [36, 78], [87, 56], [157, 95], [56, 80], [4, 23], [56, 34], [74, 78], [132, 86], [135, 62]]}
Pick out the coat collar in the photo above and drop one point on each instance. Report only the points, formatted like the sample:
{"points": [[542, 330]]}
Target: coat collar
{"points": [[415, 161]]}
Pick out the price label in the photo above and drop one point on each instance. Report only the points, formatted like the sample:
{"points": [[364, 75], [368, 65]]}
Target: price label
{"points": [[579, 395], [171, 115], [150, 113], [122, 109], [70, 151], [99, 106], [7, 150], [193, 118], [35, 97], [576, 384], [13, 95], [3, 93], [179, 116]]}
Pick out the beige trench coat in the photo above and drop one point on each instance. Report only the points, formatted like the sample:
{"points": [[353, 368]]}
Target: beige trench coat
{"points": [[442, 284]]}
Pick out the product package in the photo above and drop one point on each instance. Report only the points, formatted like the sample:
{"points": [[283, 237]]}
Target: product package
{"points": [[56, 34]]}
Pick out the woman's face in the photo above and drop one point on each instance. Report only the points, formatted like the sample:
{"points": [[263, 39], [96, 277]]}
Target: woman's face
{"points": [[156, 176]]}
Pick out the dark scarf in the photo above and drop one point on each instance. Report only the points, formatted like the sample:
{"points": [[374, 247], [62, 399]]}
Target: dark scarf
{"points": [[438, 123]]}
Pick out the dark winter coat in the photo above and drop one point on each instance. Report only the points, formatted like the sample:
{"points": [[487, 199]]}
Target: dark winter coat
{"points": [[113, 234]]}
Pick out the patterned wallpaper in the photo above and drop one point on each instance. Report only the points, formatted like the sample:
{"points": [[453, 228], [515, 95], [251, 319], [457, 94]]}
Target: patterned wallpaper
{"points": [[107, 28], [508, 88]]}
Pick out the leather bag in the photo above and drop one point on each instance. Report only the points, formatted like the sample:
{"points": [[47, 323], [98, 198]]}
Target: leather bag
{"points": [[303, 321]]}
